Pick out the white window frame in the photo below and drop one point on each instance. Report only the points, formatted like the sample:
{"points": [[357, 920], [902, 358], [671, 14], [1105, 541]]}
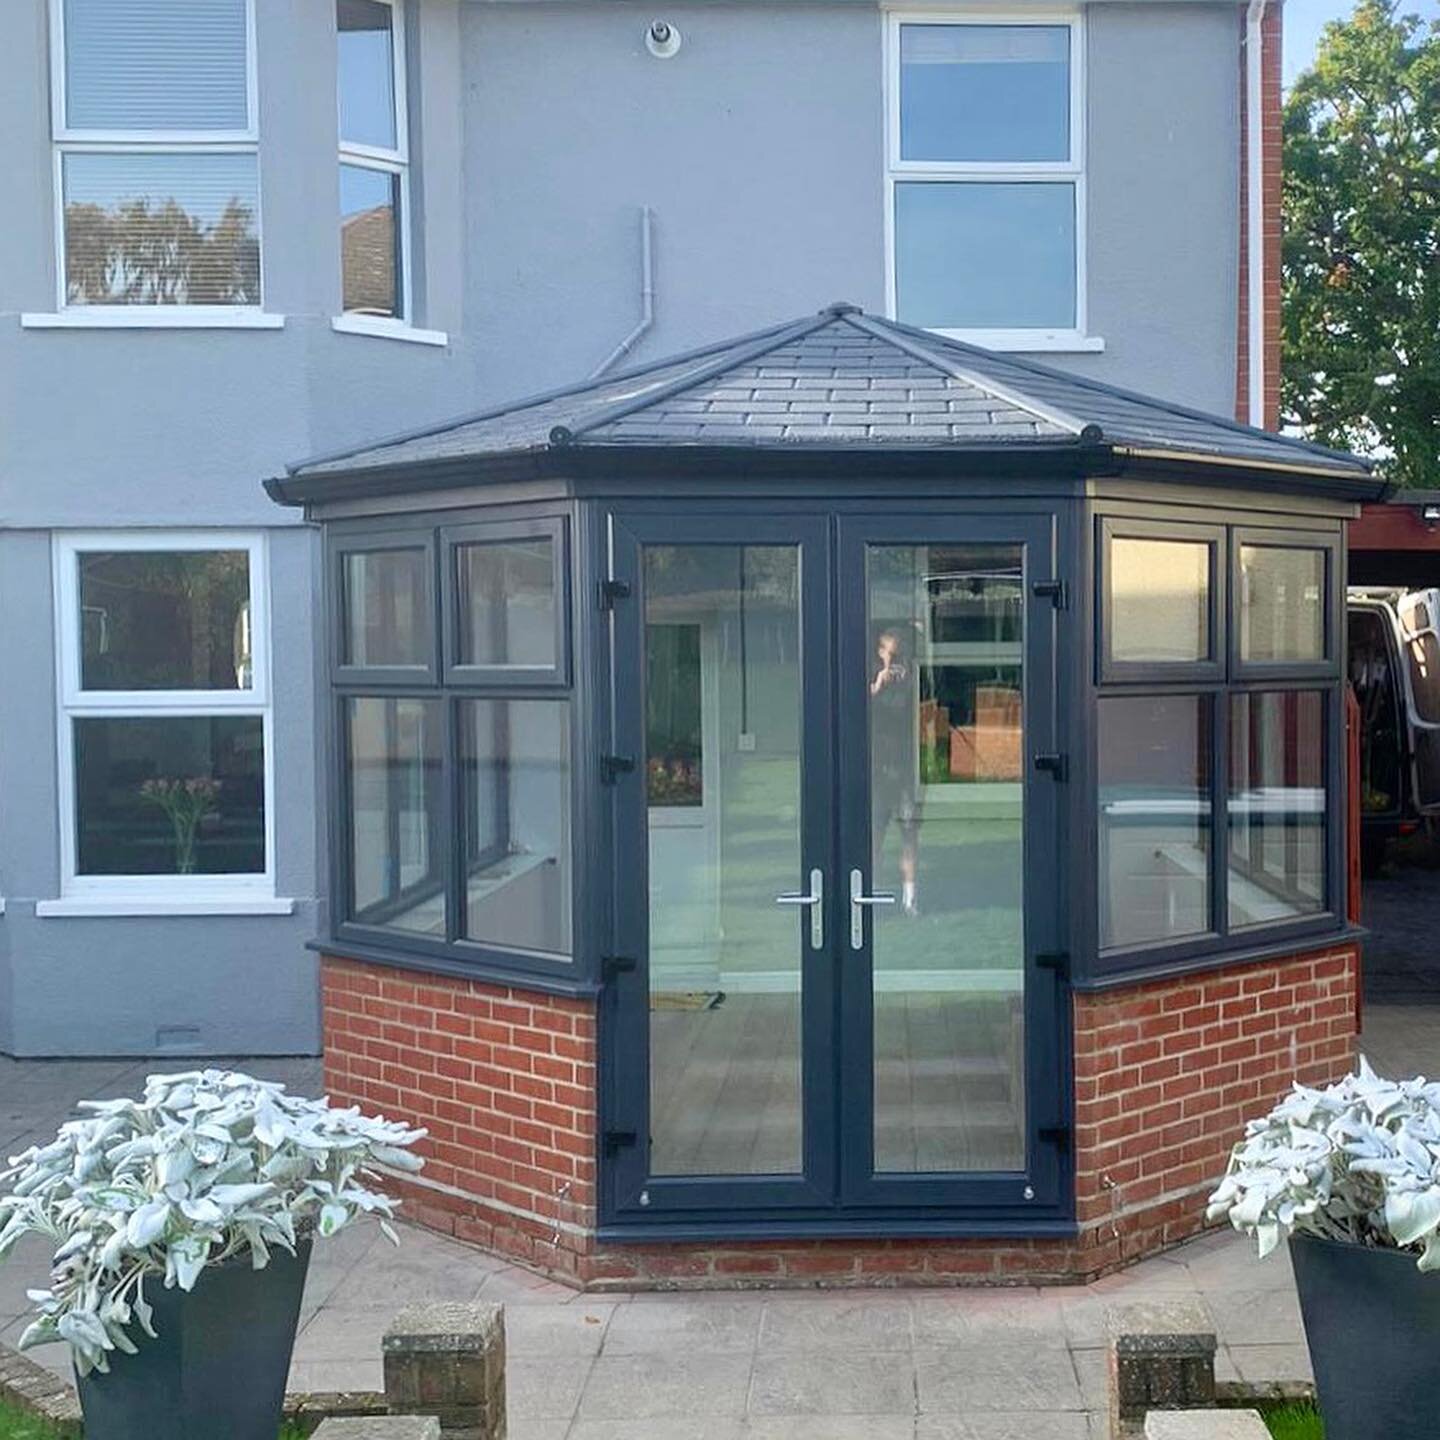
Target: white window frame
{"points": [[67, 140], [1071, 170], [158, 894], [389, 162]]}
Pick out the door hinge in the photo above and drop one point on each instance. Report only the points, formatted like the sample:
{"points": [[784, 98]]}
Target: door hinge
{"points": [[613, 965], [616, 1140], [1056, 960], [612, 767], [1053, 590], [1056, 1135], [611, 591], [1054, 762]]}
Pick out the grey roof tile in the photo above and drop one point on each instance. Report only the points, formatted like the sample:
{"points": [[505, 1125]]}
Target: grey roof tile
{"points": [[837, 377]]}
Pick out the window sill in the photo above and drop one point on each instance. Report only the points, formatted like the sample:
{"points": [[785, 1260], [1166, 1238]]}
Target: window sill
{"points": [[1034, 342], [97, 906], [159, 317], [382, 329]]}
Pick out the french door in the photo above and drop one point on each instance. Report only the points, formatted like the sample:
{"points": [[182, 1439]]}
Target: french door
{"points": [[833, 997]]}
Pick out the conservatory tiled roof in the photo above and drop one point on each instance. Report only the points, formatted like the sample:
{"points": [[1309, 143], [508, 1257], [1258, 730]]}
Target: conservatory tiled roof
{"points": [[840, 379]]}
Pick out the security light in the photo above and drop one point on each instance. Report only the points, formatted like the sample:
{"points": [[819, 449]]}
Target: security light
{"points": [[1430, 514]]}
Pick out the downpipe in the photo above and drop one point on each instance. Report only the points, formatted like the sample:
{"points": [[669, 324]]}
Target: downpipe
{"points": [[1255, 208], [647, 296]]}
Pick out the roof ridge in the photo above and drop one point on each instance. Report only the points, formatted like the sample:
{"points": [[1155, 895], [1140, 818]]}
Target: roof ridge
{"points": [[1104, 387], [737, 355], [529, 402], [1051, 413]]}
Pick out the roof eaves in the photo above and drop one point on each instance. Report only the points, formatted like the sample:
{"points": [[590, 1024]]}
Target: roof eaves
{"points": [[941, 362]]}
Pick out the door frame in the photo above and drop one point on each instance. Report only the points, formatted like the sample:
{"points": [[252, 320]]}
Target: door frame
{"points": [[824, 1200], [1039, 1185], [632, 1190]]}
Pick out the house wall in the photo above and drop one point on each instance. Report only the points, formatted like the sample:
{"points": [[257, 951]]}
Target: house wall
{"points": [[538, 129], [505, 1081]]}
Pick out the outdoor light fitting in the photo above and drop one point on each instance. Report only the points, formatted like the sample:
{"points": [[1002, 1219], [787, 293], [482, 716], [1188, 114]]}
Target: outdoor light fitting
{"points": [[662, 39]]}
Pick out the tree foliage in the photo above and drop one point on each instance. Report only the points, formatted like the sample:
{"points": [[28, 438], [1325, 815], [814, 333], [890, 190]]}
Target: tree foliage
{"points": [[1361, 272]]}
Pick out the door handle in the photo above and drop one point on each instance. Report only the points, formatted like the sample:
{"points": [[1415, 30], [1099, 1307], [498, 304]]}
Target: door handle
{"points": [[816, 901], [858, 901]]}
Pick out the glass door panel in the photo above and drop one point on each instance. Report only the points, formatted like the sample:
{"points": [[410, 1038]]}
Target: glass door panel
{"points": [[945, 701], [723, 779]]}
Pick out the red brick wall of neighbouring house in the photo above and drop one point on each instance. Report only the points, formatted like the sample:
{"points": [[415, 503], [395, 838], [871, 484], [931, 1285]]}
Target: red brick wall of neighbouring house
{"points": [[1272, 29], [1166, 1075]]}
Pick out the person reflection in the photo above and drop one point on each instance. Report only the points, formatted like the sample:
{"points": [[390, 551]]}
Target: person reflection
{"points": [[894, 759]]}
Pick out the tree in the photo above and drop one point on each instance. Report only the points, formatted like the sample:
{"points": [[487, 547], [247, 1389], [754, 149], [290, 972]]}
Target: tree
{"points": [[1361, 268]]}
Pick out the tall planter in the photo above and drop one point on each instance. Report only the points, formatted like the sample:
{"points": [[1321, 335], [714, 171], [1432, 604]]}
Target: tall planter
{"points": [[218, 1365], [1372, 1321]]}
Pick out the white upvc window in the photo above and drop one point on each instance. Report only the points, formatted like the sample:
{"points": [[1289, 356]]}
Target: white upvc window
{"points": [[156, 162], [165, 742], [374, 226], [985, 176]]}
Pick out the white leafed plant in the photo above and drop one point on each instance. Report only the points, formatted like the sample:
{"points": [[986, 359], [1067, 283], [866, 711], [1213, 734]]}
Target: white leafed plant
{"points": [[207, 1167], [1358, 1162]]}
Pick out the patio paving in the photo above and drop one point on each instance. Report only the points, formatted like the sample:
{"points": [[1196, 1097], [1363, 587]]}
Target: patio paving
{"points": [[963, 1364]]}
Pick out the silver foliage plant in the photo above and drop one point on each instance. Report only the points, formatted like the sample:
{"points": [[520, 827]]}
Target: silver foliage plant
{"points": [[1357, 1162], [207, 1166]]}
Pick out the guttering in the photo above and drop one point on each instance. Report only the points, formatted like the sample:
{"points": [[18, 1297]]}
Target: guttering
{"points": [[647, 296], [1255, 208]]}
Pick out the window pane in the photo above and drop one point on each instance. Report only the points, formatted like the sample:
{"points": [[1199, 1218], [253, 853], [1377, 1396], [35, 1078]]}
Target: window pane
{"points": [[161, 229], [366, 73], [156, 64], [387, 617], [1282, 603], [1277, 805], [516, 800], [370, 241], [674, 724], [397, 864], [170, 795], [165, 620], [985, 256], [507, 602], [985, 92], [1159, 600], [1154, 818]]}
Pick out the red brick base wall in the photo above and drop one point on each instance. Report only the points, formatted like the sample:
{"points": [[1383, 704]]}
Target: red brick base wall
{"points": [[504, 1079]]}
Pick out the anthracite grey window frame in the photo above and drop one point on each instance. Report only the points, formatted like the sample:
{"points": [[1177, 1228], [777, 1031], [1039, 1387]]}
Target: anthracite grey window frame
{"points": [[1218, 682], [441, 532]]}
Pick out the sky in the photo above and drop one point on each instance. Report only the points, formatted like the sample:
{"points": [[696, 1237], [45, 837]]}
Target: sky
{"points": [[1304, 20]]}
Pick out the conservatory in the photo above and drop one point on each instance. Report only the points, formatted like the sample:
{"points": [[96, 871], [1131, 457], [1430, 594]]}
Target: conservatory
{"points": [[836, 803]]}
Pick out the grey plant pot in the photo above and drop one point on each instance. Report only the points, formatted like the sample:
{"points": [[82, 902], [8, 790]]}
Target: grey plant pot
{"points": [[219, 1364], [1372, 1322]]}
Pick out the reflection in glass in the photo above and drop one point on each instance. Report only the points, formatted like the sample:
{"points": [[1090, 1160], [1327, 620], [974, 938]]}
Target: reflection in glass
{"points": [[1373, 675], [165, 620], [1159, 600], [1282, 603], [161, 228], [170, 795], [1277, 805], [387, 611], [1154, 818], [370, 241], [507, 602], [985, 92], [515, 762], [945, 697], [366, 73], [985, 255], [394, 750], [723, 702]]}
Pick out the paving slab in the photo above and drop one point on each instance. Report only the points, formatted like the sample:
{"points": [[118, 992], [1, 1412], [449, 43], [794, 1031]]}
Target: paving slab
{"points": [[996, 1378], [834, 1382]]}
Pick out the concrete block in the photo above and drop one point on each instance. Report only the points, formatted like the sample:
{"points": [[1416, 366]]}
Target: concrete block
{"points": [[380, 1427], [1205, 1425], [1161, 1356], [447, 1359]]}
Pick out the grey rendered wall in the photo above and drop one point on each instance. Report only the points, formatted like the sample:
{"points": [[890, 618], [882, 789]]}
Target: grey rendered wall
{"points": [[761, 149], [177, 428]]}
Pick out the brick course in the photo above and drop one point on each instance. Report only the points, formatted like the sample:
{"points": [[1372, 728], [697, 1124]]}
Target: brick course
{"points": [[1166, 1073]]}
